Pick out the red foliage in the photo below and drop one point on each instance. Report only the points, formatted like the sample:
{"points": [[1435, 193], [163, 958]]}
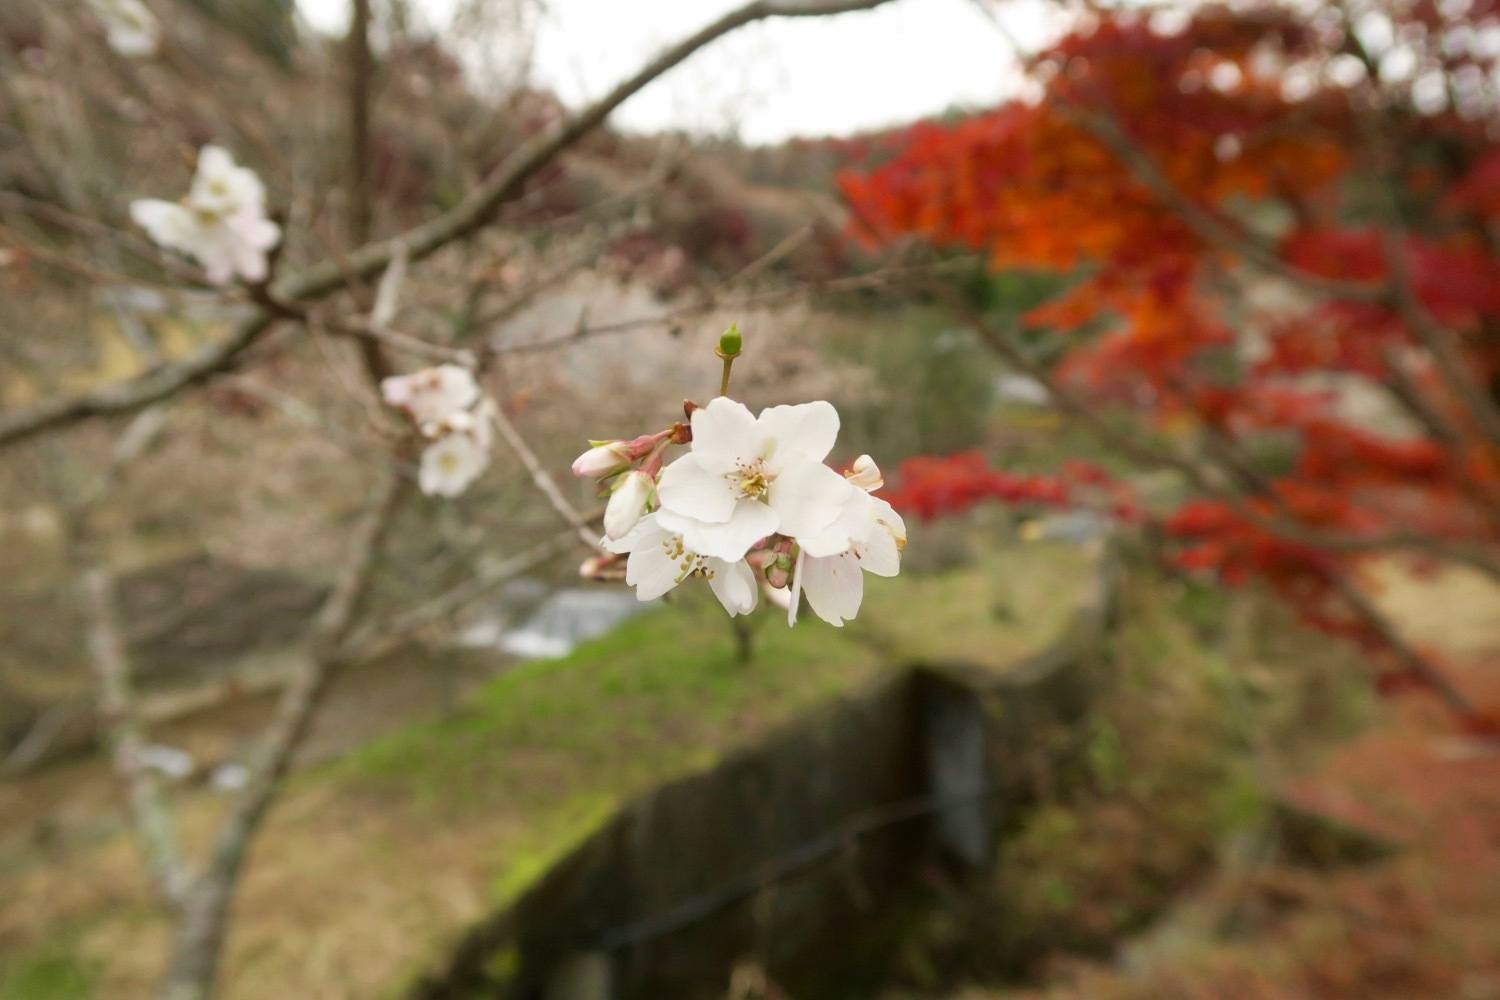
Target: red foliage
{"points": [[940, 487], [1169, 317]]}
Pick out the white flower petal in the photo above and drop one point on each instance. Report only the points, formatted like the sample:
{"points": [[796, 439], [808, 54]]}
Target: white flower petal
{"points": [[855, 523], [652, 572], [729, 540], [214, 162], [689, 490], [449, 466], [439, 396], [224, 188], [167, 223], [795, 600], [250, 262], [627, 503], [257, 231], [725, 433], [808, 497], [835, 586], [886, 515], [218, 261], [646, 532], [733, 583], [879, 554], [806, 430]]}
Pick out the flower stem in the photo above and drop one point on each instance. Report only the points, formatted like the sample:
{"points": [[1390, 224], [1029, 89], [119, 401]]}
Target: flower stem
{"points": [[724, 381]]}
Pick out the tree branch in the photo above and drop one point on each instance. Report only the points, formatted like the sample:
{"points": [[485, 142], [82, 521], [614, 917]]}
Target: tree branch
{"points": [[126, 738], [1294, 531], [545, 483], [471, 214], [371, 643], [205, 911]]}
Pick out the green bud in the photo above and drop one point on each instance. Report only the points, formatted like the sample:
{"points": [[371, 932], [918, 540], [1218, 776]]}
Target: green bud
{"points": [[730, 342]]}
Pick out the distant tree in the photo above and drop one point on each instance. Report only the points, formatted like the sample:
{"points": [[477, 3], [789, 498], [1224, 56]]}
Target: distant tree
{"points": [[1282, 238]]}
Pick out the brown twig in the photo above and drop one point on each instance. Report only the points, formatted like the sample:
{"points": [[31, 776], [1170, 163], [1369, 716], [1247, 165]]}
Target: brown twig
{"points": [[375, 641], [545, 484]]}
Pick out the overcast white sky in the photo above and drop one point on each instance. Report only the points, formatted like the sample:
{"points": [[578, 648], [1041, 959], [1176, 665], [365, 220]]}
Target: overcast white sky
{"points": [[772, 80]]}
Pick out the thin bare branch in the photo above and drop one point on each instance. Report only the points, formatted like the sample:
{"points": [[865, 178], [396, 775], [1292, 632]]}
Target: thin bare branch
{"points": [[860, 282], [126, 737], [1371, 615], [1118, 437], [375, 641], [471, 214], [205, 910], [545, 483]]}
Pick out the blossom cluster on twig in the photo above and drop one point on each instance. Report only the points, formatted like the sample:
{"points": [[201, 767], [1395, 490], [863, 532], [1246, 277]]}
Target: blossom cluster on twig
{"points": [[750, 507], [221, 222], [455, 419]]}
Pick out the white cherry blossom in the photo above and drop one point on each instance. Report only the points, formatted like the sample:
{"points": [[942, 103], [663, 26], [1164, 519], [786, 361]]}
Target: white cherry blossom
{"points": [[867, 537], [433, 397], [748, 477], [225, 188], [222, 221], [452, 463], [659, 561], [129, 26]]}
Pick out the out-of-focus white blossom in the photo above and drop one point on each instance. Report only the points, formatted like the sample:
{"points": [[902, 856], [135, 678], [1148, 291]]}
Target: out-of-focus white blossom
{"points": [[433, 397], [659, 561], [225, 188], [129, 27], [627, 504], [448, 409], [222, 221], [451, 464]]}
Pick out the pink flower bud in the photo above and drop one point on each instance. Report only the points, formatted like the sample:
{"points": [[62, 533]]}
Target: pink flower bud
{"points": [[596, 567], [627, 503], [601, 460]]}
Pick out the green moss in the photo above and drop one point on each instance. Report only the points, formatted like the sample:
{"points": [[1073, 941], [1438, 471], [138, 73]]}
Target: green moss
{"points": [[552, 748], [52, 971], [546, 843]]}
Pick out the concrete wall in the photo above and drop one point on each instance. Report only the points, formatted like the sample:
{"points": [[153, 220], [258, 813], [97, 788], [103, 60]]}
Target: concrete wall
{"points": [[786, 848]]}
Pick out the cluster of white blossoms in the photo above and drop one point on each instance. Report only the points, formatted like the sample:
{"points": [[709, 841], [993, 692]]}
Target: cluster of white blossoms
{"points": [[750, 507], [221, 222], [129, 27], [456, 420]]}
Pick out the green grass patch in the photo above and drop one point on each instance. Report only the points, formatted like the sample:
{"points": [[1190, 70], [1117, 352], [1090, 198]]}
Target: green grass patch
{"points": [[556, 746], [51, 971]]}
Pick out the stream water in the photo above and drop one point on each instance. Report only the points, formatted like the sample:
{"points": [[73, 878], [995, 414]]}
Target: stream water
{"points": [[533, 621]]}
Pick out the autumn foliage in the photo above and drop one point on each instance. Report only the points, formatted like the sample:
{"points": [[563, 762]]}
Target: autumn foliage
{"points": [[1282, 239]]}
